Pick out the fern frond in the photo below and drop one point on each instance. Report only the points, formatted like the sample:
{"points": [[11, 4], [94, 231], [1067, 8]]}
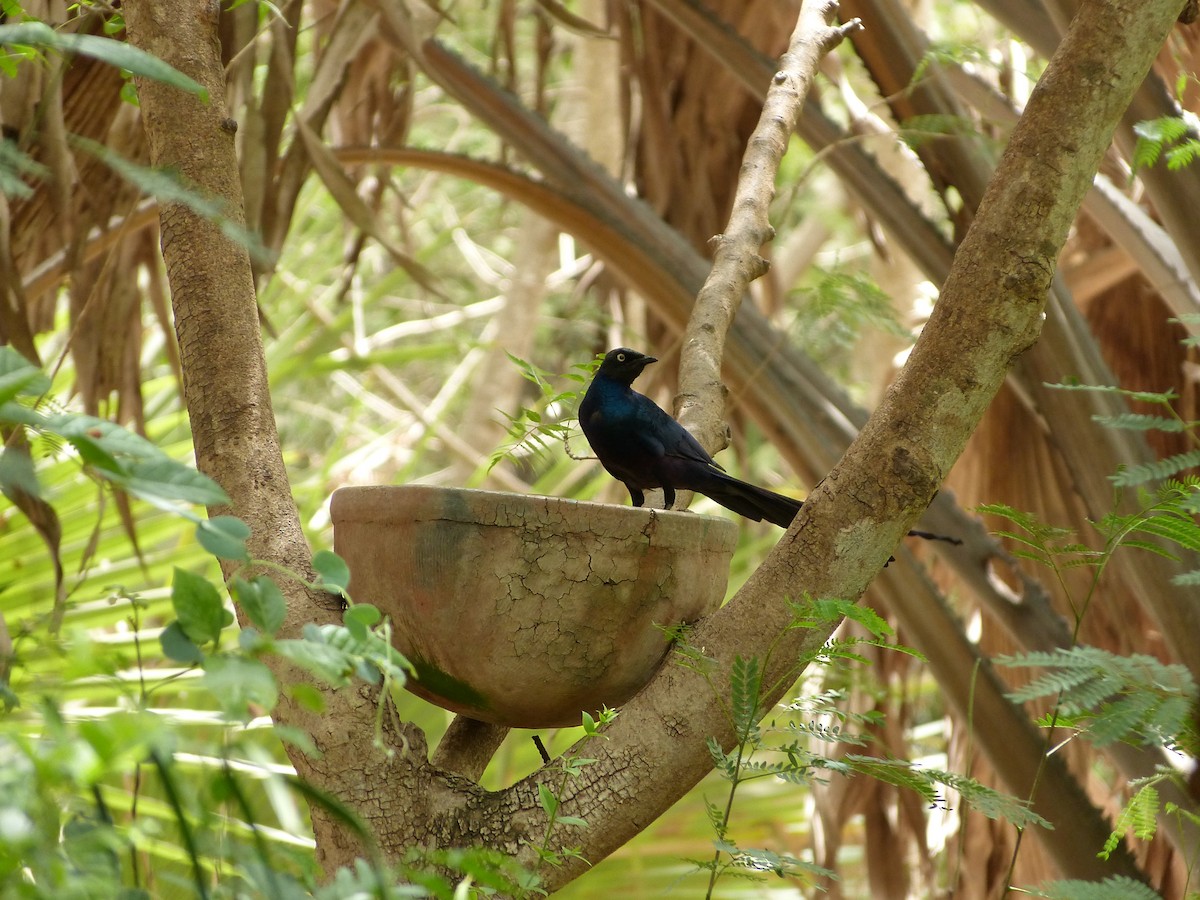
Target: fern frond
{"points": [[1088, 694], [1143, 422], [1189, 321], [1143, 813], [1166, 129], [1115, 887], [1159, 397], [1036, 556], [1183, 154], [1152, 136], [1152, 471], [810, 613], [1014, 515], [1139, 815], [1152, 548], [1039, 532], [1129, 698], [1037, 546], [898, 772], [1146, 153], [716, 818], [1171, 722], [953, 52], [986, 800], [722, 761], [790, 775], [757, 859], [1181, 530], [916, 130], [1121, 718], [1048, 684], [1180, 488], [530, 432], [746, 683]]}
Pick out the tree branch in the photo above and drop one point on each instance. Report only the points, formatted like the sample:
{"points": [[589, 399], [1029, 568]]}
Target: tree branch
{"points": [[700, 404], [989, 313]]}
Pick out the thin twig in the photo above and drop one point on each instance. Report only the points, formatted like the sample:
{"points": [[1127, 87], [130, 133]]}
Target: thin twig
{"points": [[736, 262]]}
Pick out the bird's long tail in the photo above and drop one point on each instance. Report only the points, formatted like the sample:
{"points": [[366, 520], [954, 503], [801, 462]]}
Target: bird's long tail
{"points": [[749, 500], [758, 503]]}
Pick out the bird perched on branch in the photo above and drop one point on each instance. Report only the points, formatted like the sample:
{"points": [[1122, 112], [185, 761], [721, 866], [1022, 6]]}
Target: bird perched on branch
{"points": [[643, 447]]}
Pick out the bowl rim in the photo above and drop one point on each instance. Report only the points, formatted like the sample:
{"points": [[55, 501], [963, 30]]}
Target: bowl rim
{"points": [[383, 503]]}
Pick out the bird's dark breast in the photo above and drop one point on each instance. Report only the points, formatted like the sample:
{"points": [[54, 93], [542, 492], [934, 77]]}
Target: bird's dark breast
{"points": [[628, 464]]}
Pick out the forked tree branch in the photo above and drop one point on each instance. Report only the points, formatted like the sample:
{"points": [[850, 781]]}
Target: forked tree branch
{"points": [[989, 313]]}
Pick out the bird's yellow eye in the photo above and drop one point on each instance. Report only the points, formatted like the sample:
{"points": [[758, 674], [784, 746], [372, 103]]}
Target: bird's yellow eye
{"points": [[620, 357]]}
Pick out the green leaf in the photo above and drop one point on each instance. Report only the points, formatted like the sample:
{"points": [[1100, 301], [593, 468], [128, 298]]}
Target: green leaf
{"points": [[307, 696], [17, 472], [27, 380], [168, 187], [198, 606], [15, 413], [164, 480], [263, 602], [134, 463], [373, 650], [547, 799], [15, 166], [85, 434], [238, 682], [224, 537], [330, 664], [116, 53], [359, 618], [178, 646], [333, 571]]}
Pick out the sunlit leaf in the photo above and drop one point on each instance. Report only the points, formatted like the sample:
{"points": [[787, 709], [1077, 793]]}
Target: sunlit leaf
{"points": [[116, 53]]}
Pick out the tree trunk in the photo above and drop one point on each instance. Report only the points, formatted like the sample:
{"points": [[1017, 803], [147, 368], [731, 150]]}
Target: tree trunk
{"points": [[225, 378]]}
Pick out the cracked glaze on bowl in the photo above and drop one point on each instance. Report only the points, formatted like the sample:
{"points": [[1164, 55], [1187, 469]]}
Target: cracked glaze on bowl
{"points": [[523, 610]]}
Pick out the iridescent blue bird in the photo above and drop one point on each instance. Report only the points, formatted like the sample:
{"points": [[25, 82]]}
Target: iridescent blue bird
{"points": [[644, 448]]}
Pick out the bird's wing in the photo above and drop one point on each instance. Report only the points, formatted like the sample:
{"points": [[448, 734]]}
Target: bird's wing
{"points": [[684, 445]]}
